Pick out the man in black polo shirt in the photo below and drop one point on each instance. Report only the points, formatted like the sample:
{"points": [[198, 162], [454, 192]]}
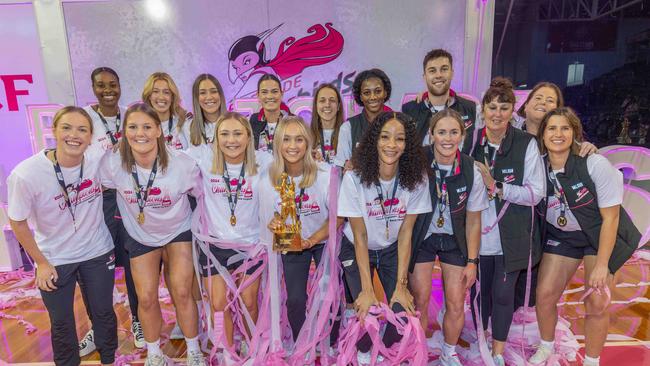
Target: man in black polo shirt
{"points": [[438, 72]]}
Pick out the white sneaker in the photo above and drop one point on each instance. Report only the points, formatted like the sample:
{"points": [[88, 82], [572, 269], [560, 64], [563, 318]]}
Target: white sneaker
{"points": [[176, 333], [542, 354], [450, 360], [138, 335], [87, 344], [498, 360], [156, 360], [195, 358]]}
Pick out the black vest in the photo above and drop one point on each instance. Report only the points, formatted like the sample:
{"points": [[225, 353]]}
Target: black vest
{"points": [[258, 126], [358, 126], [514, 227], [422, 116], [459, 188], [582, 199]]}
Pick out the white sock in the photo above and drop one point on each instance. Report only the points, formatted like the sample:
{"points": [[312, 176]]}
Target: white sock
{"points": [[192, 344], [591, 361], [153, 348], [547, 344], [448, 349]]}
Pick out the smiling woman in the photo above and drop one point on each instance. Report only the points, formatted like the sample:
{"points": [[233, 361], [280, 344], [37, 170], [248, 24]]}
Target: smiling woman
{"points": [[264, 122]]}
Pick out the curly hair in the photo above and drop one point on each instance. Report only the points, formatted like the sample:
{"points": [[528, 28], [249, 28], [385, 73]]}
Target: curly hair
{"points": [[368, 74], [366, 157]]}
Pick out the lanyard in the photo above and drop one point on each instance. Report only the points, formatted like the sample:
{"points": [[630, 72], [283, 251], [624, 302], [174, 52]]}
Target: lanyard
{"points": [[559, 193], [142, 198], [325, 148], [64, 187], [441, 186], [486, 151], [113, 137], [268, 136], [390, 203], [170, 125], [428, 104], [232, 202]]}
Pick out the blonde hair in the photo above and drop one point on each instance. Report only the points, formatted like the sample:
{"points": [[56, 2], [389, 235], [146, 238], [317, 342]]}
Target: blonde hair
{"points": [[219, 160], [197, 127], [128, 160], [71, 109], [175, 109], [310, 167]]}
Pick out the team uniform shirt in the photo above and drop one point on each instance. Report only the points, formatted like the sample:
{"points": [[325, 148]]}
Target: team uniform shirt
{"points": [[167, 210], [477, 201], [358, 200], [344, 145], [100, 138], [217, 208], [36, 196], [609, 191], [175, 138], [327, 150], [314, 210], [534, 177], [209, 130]]}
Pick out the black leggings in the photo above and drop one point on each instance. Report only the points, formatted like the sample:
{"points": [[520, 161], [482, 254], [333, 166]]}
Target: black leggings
{"points": [[497, 295], [98, 276], [296, 273], [119, 236]]}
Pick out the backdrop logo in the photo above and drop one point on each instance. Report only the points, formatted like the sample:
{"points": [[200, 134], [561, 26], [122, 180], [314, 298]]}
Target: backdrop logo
{"points": [[247, 60]]}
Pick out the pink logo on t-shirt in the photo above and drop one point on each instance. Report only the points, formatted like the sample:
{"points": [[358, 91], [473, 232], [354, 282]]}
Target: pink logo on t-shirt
{"points": [[154, 191], [303, 198], [391, 202], [234, 181]]}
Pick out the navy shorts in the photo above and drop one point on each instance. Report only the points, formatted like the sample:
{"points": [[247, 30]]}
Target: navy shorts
{"points": [[443, 246], [572, 244], [136, 249], [222, 255]]}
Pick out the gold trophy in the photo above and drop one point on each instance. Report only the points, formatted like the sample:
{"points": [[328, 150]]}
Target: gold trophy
{"points": [[287, 237]]}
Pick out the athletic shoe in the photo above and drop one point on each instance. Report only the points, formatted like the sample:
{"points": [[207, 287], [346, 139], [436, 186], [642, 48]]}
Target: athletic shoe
{"points": [[176, 333], [156, 360], [364, 358], [138, 335], [87, 344], [498, 360], [195, 358], [450, 360], [542, 354]]}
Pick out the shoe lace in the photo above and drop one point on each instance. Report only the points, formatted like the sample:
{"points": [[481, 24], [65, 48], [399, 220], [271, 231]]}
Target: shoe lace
{"points": [[85, 340], [136, 327]]}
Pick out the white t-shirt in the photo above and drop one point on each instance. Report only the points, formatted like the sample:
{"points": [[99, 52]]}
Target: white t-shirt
{"points": [[357, 200], [330, 154], [167, 210], [35, 195], [100, 137], [478, 201], [609, 190], [344, 145], [534, 177], [266, 136], [178, 139], [209, 130], [217, 209], [314, 211]]}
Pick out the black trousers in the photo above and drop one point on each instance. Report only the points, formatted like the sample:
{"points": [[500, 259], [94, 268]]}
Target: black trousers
{"points": [[383, 261], [119, 236], [98, 276], [497, 297], [296, 274]]}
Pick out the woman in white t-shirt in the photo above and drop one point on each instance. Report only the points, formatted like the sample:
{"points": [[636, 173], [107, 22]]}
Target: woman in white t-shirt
{"points": [[326, 120], [161, 93], [208, 102], [585, 223], [58, 193], [381, 199], [452, 232], [152, 183], [107, 118], [226, 222], [291, 155]]}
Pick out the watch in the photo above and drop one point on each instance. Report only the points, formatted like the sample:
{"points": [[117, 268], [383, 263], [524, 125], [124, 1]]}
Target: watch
{"points": [[473, 260]]}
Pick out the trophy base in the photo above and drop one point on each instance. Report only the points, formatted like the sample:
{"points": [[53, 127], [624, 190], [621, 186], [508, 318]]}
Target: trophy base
{"points": [[287, 242]]}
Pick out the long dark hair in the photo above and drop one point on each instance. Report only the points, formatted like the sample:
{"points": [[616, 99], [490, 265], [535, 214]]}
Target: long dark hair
{"points": [[316, 126], [366, 157]]}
